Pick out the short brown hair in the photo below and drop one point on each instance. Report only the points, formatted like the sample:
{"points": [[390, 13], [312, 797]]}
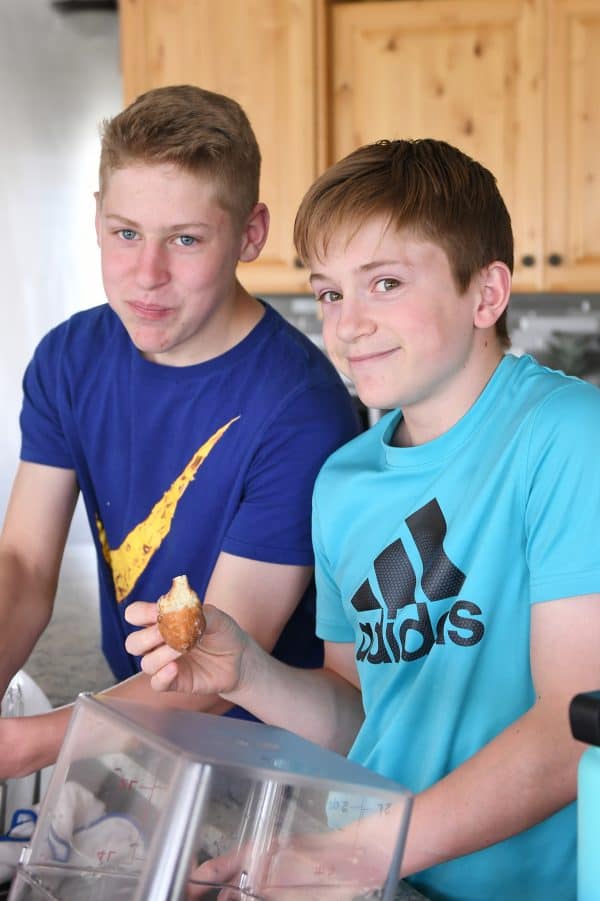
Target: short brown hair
{"points": [[198, 130], [424, 185]]}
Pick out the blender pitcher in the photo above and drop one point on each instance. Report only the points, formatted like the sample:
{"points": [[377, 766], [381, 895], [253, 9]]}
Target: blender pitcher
{"points": [[584, 715]]}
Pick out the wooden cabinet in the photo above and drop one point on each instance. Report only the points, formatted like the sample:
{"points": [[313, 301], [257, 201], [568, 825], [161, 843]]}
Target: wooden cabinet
{"points": [[265, 54], [572, 146], [511, 83]]}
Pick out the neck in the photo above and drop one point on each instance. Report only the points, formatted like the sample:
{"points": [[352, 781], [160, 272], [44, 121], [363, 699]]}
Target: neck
{"points": [[425, 421]]}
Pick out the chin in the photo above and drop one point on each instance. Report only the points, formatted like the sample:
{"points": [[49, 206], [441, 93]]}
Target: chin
{"points": [[376, 402], [373, 397], [149, 340]]}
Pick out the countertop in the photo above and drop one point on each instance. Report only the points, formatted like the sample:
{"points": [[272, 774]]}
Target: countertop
{"points": [[407, 893]]}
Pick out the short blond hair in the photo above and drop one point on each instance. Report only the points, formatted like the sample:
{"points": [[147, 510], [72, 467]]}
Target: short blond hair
{"points": [[200, 131]]}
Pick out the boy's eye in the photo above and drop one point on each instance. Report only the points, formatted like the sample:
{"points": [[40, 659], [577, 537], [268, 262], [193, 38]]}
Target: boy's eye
{"points": [[329, 297], [128, 234], [186, 240], [386, 284]]}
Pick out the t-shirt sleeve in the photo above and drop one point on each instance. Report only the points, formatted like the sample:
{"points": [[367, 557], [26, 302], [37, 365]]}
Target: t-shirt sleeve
{"points": [[42, 435], [562, 495], [273, 521]]}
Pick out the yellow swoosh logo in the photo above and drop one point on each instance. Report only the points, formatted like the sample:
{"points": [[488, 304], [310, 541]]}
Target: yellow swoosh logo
{"points": [[129, 561]]}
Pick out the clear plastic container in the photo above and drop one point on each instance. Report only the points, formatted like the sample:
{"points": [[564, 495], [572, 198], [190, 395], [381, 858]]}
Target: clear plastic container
{"points": [[140, 799]]}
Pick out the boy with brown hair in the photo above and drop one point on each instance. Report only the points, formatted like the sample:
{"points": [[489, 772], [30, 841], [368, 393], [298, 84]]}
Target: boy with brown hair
{"points": [[457, 564], [190, 415]]}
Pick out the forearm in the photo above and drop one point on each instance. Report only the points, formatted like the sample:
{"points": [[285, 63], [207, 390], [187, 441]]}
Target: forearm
{"points": [[138, 689], [318, 704], [524, 775], [26, 601], [30, 743], [315, 703]]}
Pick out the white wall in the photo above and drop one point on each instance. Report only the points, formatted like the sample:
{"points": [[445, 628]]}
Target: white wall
{"points": [[59, 76]]}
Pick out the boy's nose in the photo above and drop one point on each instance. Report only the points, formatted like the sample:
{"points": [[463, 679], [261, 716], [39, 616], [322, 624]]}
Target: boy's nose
{"points": [[353, 320], [152, 266]]}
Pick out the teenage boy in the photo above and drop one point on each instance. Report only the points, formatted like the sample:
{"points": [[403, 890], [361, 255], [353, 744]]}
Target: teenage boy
{"points": [[456, 542], [189, 414]]}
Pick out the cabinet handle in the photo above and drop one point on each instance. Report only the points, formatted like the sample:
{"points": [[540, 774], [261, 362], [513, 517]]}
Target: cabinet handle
{"points": [[528, 260], [555, 259]]}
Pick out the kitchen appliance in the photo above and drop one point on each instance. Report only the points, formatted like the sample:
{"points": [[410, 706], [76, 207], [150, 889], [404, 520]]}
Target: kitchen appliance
{"points": [[23, 697], [584, 715], [140, 797]]}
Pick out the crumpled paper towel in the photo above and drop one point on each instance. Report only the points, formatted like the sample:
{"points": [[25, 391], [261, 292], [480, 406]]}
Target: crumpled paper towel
{"points": [[81, 834]]}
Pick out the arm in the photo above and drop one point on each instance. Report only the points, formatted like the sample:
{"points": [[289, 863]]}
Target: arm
{"points": [[33, 538], [322, 705], [263, 597], [31, 547], [260, 596], [522, 776], [529, 770]]}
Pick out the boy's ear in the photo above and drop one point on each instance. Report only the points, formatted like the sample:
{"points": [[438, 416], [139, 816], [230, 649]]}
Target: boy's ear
{"points": [[255, 233], [494, 294], [97, 216]]}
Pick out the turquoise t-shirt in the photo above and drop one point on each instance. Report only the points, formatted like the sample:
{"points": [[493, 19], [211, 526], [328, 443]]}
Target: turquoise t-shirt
{"points": [[428, 559]]}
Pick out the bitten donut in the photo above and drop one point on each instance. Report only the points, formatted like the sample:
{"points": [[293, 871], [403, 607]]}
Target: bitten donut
{"points": [[180, 618]]}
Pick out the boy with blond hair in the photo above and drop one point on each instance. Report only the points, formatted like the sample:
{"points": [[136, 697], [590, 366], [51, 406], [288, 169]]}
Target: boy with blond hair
{"points": [[456, 542], [190, 415]]}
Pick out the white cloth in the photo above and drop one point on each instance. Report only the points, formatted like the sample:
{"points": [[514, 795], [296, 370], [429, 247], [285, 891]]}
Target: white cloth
{"points": [[16, 838], [80, 833]]}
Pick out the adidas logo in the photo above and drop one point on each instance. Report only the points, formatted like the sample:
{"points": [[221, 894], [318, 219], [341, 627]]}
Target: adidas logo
{"points": [[398, 635]]}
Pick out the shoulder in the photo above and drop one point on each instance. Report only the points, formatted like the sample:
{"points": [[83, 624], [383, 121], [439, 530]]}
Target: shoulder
{"points": [[97, 324], [555, 401], [298, 355], [77, 353], [361, 454], [556, 421], [294, 378]]}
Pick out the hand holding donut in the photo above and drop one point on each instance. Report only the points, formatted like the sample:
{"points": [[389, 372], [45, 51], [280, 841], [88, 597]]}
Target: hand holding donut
{"points": [[185, 646]]}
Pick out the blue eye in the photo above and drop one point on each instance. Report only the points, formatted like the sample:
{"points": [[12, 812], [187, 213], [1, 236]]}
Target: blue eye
{"points": [[128, 234], [186, 240]]}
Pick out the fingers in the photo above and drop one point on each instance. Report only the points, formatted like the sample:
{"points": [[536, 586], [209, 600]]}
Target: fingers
{"points": [[219, 872], [211, 667], [143, 641], [156, 657], [158, 660], [141, 613], [165, 677]]}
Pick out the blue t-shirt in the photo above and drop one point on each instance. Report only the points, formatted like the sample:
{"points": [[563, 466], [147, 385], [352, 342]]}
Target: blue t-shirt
{"points": [[429, 560], [177, 464]]}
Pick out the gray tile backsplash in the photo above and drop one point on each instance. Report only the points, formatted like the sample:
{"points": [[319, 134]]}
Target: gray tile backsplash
{"points": [[560, 330]]}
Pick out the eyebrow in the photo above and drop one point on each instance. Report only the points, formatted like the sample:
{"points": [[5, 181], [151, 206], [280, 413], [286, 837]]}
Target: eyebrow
{"points": [[366, 267], [176, 227]]}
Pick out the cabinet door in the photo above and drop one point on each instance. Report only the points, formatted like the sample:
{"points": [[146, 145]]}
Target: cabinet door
{"points": [[263, 54], [465, 71], [573, 146]]}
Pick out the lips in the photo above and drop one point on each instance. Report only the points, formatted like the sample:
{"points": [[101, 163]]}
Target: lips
{"points": [[372, 357], [149, 310]]}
